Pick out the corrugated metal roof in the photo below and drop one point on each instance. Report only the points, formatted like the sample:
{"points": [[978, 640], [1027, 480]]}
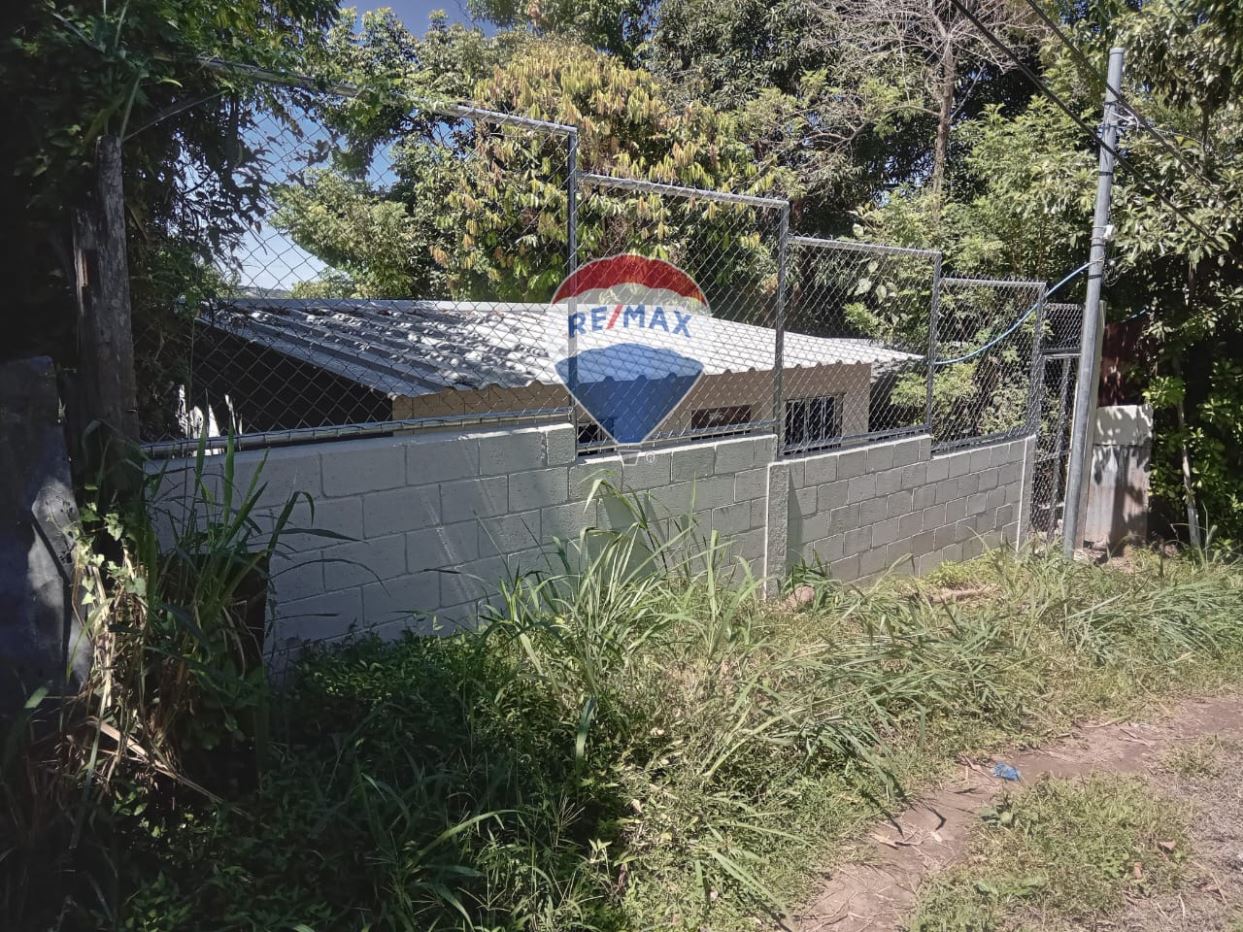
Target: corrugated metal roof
{"points": [[421, 347]]}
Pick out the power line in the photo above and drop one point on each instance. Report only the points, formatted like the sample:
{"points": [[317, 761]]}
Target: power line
{"points": [[1143, 121], [1079, 121]]}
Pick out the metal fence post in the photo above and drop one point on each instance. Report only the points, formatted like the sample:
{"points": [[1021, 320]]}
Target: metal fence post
{"points": [[1085, 396], [571, 264], [779, 324], [1059, 445], [1035, 391], [571, 197], [932, 338]]}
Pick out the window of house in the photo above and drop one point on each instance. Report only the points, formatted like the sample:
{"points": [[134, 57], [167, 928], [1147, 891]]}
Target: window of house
{"points": [[813, 422], [591, 433], [713, 418]]}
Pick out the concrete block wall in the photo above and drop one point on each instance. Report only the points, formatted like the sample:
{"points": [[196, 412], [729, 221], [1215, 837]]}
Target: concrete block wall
{"points": [[406, 527], [895, 507], [403, 528]]}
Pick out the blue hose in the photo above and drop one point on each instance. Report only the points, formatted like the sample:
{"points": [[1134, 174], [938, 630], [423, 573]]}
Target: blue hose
{"points": [[1013, 327]]}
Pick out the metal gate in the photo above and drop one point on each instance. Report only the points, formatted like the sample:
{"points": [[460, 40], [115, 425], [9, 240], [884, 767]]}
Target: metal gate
{"points": [[1059, 367]]}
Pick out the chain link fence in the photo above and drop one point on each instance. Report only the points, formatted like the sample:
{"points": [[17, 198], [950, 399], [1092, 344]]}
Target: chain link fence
{"points": [[1059, 377], [730, 246], [855, 353], [985, 360], [393, 267]]}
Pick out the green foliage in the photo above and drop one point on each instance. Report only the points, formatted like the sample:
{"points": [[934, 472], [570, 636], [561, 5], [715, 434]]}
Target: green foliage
{"points": [[633, 740], [478, 211], [730, 53], [373, 241], [617, 26], [138, 74], [1021, 203], [1198, 759], [171, 590], [178, 668], [1071, 849]]}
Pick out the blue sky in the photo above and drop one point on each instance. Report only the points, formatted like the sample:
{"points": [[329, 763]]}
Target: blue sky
{"points": [[269, 258], [414, 13]]}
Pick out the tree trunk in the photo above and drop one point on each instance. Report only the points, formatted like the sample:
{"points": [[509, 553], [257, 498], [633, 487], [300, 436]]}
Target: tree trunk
{"points": [[1189, 492], [941, 151]]}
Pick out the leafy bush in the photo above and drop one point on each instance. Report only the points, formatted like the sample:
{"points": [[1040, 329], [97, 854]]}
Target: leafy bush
{"points": [[176, 695], [633, 739]]}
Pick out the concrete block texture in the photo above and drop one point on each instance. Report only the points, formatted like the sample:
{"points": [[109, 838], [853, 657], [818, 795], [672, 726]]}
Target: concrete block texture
{"points": [[322, 617], [851, 463], [777, 526], [888, 481], [430, 522], [879, 458], [751, 484], [740, 453], [860, 488], [694, 462], [434, 458], [832, 495], [444, 545], [905, 503], [539, 488], [560, 444], [566, 522], [474, 498], [507, 534], [342, 517], [400, 510], [731, 520], [506, 452], [364, 561], [820, 469], [376, 465], [285, 473], [401, 599]]}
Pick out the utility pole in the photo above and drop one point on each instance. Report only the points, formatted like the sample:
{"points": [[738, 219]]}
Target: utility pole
{"points": [[1084, 422]]}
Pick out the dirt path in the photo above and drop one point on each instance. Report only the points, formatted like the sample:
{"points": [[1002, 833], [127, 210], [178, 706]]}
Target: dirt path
{"points": [[875, 891]]}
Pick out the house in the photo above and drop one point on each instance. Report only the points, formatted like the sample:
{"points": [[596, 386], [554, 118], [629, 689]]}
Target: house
{"points": [[277, 364]]}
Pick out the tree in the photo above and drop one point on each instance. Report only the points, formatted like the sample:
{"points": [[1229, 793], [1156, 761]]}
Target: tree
{"points": [[935, 48], [1022, 205], [727, 54], [498, 230], [619, 27], [138, 74]]}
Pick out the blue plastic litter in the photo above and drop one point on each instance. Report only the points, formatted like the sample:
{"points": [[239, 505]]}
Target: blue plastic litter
{"points": [[1006, 771]]}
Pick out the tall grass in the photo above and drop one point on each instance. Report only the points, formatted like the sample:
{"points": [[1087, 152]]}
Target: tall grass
{"points": [[165, 588], [632, 739]]}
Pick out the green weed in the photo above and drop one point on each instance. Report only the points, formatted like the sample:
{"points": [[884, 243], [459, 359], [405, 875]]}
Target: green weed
{"points": [[1063, 850], [1197, 759], [634, 739]]}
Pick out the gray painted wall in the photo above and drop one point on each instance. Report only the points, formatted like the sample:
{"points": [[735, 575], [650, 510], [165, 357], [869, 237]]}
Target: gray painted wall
{"points": [[41, 642], [437, 518], [894, 507]]}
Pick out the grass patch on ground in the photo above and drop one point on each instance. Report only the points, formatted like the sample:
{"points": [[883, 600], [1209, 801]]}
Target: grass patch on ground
{"points": [[1059, 852], [1197, 759], [635, 740]]}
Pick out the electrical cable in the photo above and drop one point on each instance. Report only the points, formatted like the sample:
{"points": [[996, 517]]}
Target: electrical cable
{"points": [[1014, 326], [1140, 119], [1080, 122]]}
